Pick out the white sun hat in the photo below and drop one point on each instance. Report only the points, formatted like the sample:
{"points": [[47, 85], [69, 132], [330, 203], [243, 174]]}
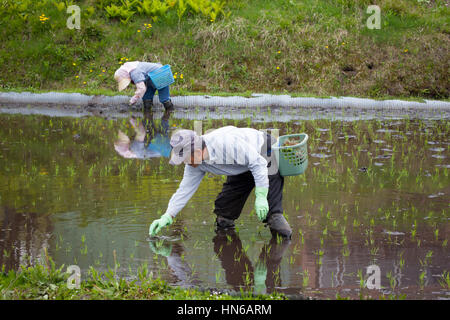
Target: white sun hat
{"points": [[122, 75]]}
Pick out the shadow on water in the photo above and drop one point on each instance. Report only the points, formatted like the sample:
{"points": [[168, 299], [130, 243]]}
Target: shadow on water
{"points": [[376, 192]]}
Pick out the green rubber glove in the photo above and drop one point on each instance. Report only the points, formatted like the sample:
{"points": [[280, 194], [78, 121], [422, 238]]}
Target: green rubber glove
{"points": [[157, 225], [260, 275], [161, 248], [261, 203]]}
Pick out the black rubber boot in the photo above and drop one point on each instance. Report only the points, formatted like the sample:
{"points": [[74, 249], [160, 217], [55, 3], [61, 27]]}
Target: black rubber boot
{"points": [[148, 105], [168, 105], [278, 225], [224, 223]]}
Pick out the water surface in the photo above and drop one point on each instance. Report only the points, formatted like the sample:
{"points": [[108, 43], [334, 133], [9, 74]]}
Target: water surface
{"points": [[376, 192]]}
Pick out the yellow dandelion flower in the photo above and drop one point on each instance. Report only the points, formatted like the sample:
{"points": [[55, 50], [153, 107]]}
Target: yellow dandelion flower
{"points": [[76, 77], [103, 70], [181, 76], [278, 68], [406, 50], [139, 30], [84, 82], [90, 70], [278, 51], [74, 64], [326, 47]]}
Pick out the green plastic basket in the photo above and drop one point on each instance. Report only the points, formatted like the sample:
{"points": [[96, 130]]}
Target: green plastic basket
{"points": [[292, 160]]}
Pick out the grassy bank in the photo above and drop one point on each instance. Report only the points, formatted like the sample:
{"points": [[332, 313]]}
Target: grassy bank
{"points": [[44, 281], [318, 48]]}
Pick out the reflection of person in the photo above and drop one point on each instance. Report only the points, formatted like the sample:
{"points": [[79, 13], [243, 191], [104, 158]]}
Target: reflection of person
{"points": [[173, 252], [137, 73], [242, 154], [150, 141], [238, 267]]}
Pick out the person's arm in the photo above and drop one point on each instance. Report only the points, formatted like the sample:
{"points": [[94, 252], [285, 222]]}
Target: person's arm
{"points": [[188, 186], [141, 88], [191, 180]]}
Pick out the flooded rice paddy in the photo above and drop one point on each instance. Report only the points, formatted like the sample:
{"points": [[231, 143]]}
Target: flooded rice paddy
{"points": [[376, 192]]}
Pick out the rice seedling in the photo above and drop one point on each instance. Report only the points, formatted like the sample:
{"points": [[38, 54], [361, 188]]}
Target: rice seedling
{"points": [[422, 279], [362, 280], [345, 252], [444, 280], [374, 251], [305, 278], [392, 280]]}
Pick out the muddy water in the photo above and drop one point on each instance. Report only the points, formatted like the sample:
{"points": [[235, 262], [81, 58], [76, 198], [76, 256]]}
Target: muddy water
{"points": [[376, 192]]}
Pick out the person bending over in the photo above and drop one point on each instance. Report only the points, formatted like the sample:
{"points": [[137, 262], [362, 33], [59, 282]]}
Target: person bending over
{"points": [[137, 73], [242, 155]]}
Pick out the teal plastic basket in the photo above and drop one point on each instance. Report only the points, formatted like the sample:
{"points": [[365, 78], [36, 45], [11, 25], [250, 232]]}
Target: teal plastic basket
{"points": [[292, 160], [162, 77]]}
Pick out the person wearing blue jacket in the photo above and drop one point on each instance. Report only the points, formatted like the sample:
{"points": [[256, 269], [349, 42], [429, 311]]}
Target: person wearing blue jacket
{"points": [[136, 72], [151, 141]]}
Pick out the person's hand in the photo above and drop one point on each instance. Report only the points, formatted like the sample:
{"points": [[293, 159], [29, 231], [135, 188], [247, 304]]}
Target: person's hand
{"points": [[260, 275], [161, 249], [133, 100], [261, 203], [157, 225]]}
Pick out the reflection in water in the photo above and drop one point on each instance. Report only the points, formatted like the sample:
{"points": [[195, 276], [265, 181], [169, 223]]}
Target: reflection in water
{"points": [[239, 270], [240, 273], [150, 141], [23, 237], [174, 252], [380, 198]]}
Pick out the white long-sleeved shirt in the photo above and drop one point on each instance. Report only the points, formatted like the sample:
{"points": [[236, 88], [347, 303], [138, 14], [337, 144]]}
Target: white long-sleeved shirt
{"points": [[232, 151]]}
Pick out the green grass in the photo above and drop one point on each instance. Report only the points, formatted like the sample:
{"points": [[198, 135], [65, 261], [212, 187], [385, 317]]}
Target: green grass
{"points": [[312, 48], [44, 281]]}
